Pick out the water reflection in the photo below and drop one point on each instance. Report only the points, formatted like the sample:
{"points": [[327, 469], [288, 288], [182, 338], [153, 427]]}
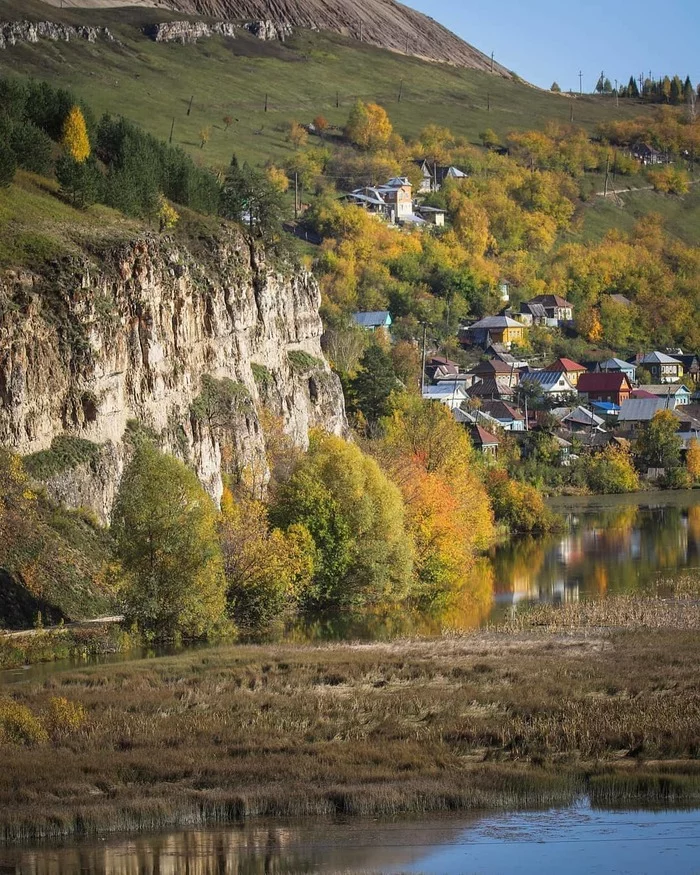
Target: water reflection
{"points": [[577, 840], [609, 546]]}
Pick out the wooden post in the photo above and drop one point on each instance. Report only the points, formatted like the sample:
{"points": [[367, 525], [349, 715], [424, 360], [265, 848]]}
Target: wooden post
{"points": [[172, 128], [296, 196], [571, 115], [607, 172], [189, 108]]}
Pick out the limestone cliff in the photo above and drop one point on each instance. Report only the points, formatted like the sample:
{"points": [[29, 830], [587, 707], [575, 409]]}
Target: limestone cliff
{"points": [[137, 334]]}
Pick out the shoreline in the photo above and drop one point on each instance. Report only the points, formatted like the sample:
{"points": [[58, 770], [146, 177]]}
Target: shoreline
{"points": [[489, 720]]}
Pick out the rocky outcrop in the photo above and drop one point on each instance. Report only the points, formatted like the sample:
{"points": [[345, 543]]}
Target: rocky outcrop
{"points": [[13, 32], [188, 32], [384, 23], [151, 336], [269, 30]]}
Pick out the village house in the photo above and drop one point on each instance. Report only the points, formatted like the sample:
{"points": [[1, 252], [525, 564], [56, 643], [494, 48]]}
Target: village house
{"points": [[558, 310], [438, 366], [611, 386], [691, 365], [675, 395], [372, 320], [553, 385], [639, 411], [392, 201], [618, 365], [451, 393], [532, 314], [432, 215], [648, 155], [508, 417], [578, 419], [496, 368], [492, 388], [572, 369], [493, 329], [484, 441], [663, 368]]}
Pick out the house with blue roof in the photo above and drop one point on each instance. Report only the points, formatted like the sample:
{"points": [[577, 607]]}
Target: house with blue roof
{"points": [[373, 319], [615, 365]]}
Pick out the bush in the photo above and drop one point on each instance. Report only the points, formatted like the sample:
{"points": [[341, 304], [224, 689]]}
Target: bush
{"points": [[64, 716], [18, 725], [611, 471]]}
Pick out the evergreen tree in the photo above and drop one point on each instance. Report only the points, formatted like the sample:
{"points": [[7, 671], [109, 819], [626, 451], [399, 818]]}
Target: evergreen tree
{"points": [[632, 88], [8, 163], [32, 147], [80, 181], [676, 91], [374, 383]]}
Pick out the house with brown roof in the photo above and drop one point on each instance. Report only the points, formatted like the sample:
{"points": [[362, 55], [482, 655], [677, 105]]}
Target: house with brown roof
{"points": [[496, 368], [611, 386], [557, 309], [572, 369], [495, 388], [484, 441], [508, 417]]}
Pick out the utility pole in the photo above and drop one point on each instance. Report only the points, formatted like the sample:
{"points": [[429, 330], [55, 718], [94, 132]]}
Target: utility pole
{"points": [[422, 373], [571, 114], [172, 128], [189, 108], [296, 196], [580, 82], [607, 172]]}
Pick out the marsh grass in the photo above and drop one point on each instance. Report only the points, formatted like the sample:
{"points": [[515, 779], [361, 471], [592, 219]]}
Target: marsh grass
{"points": [[489, 720]]}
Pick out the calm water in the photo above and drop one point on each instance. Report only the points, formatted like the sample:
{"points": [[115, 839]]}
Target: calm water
{"points": [[574, 840], [610, 545]]}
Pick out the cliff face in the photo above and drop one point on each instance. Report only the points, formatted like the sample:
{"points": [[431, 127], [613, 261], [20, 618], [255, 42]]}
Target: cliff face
{"points": [[188, 345]]}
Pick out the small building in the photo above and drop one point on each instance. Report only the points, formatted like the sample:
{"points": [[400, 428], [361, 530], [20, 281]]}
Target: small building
{"points": [[533, 314], [557, 309], [372, 320], [508, 417], [432, 215], [611, 386], [648, 155], [398, 195], [662, 367], [691, 365], [492, 388], [451, 393], [638, 411], [426, 183], [492, 329], [674, 394], [615, 365], [572, 369], [484, 441], [578, 419], [438, 367], [554, 385], [496, 368]]}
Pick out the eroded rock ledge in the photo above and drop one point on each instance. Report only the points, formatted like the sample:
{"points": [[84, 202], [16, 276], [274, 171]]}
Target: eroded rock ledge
{"points": [[13, 32]]}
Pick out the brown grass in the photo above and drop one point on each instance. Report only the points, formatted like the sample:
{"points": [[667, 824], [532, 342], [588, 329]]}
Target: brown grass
{"points": [[485, 720]]}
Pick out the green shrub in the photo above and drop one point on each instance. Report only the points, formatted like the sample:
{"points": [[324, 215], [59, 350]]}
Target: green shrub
{"points": [[65, 454], [303, 361]]}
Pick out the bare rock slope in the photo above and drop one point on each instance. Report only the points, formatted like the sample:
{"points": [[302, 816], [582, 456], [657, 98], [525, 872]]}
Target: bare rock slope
{"points": [[383, 23]]}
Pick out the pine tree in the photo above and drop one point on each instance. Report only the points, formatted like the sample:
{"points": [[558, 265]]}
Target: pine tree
{"points": [[75, 136], [632, 88]]}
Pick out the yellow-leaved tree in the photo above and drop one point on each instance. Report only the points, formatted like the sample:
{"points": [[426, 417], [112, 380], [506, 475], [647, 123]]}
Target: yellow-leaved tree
{"points": [[75, 138], [693, 460], [368, 126]]}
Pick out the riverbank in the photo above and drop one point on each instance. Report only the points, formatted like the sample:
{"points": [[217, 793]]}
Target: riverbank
{"points": [[504, 719]]}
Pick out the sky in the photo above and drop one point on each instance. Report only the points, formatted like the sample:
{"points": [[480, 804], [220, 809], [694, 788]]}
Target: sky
{"points": [[545, 41]]}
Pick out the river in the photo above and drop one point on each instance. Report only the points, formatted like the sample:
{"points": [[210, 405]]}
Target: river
{"points": [[574, 840]]}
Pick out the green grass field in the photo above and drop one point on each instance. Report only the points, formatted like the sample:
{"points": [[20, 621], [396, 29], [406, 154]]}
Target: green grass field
{"points": [[152, 84], [681, 215]]}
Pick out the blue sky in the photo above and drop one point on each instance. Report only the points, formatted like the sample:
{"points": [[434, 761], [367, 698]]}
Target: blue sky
{"points": [[544, 40]]}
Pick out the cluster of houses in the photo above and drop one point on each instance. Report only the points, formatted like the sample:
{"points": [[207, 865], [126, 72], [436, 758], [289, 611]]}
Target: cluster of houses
{"points": [[394, 200], [593, 404]]}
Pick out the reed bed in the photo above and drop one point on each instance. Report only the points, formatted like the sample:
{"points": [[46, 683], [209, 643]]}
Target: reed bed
{"points": [[488, 720]]}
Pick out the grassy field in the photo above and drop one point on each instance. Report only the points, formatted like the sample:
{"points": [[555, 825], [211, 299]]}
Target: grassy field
{"points": [[152, 84], [494, 719], [681, 215]]}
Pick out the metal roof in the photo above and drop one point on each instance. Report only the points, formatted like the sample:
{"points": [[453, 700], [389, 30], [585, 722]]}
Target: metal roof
{"points": [[373, 318], [640, 409], [547, 379], [496, 322]]}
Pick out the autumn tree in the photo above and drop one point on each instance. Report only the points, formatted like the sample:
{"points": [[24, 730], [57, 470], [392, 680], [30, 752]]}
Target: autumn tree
{"points": [[74, 138], [659, 444], [297, 135], [368, 126], [320, 124], [355, 516], [165, 527], [268, 571], [168, 216], [204, 136], [277, 178], [693, 460], [611, 471]]}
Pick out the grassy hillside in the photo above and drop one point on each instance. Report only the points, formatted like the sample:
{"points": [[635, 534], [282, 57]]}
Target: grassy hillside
{"points": [[681, 214], [152, 84]]}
